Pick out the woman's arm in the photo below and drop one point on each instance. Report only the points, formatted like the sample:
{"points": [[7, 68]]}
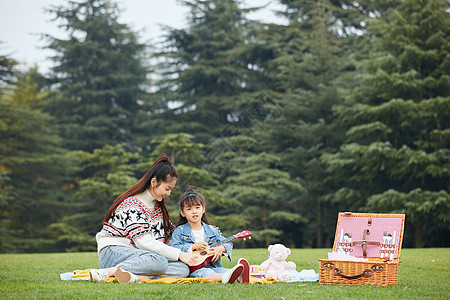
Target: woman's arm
{"points": [[149, 243], [131, 222]]}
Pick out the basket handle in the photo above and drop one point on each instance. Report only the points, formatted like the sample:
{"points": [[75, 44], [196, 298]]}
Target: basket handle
{"points": [[365, 273]]}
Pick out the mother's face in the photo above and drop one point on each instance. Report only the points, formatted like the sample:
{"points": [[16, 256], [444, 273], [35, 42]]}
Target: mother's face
{"points": [[159, 192]]}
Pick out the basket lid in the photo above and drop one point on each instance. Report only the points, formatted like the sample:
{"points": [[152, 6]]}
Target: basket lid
{"points": [[369, 234]]}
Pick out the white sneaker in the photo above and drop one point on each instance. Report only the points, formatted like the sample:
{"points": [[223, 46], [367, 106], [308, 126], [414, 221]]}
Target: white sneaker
{"points": [[125, 277], [98, 274], [232, 274]]}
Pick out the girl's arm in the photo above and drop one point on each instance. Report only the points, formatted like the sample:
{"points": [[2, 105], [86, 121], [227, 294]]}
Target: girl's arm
{"points": [[218, 252], [180, 243], [199, 246], [228, 247]]}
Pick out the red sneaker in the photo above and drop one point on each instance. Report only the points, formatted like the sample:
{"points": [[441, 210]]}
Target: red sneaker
{"points": [[245, 276], [232, 274]]}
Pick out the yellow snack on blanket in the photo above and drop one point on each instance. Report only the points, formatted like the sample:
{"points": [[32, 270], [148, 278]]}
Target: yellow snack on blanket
{"points": [[81, 273]]}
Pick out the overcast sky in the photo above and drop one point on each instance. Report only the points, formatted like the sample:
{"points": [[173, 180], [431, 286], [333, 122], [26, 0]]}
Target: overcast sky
{"points": [[22, 22]]}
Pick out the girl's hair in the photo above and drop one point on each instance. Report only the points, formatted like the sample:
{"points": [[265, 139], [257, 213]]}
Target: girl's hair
{"points": [[191, 198], [161, 169]]}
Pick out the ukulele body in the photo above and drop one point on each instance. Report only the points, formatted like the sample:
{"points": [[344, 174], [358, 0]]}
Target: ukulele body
{"points": [[204, 258]]}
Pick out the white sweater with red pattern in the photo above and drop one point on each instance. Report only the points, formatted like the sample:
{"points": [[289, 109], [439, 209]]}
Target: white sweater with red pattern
{"points": [[137, 222]]}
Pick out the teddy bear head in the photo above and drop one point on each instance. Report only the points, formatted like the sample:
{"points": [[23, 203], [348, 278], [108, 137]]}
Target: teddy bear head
{"points": [[279, 252]]}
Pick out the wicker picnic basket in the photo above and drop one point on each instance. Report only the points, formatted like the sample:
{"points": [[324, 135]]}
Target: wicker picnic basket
{"points": [[374, 237]]}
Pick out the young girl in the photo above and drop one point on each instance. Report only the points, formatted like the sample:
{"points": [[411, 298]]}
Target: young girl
{"points": [[133, 243], [194, 233]]}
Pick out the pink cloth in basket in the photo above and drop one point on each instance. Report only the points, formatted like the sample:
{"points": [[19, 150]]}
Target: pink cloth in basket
{"points": [[357, 225]]}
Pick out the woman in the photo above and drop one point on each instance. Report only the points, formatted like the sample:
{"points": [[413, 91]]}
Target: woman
{"points": [[133, 243]]}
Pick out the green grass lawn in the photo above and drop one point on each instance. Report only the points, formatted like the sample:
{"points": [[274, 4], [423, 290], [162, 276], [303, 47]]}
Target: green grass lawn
{"points": [[423, 274]]}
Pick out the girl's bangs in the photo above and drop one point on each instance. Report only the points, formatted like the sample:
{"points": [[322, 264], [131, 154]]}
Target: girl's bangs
{"points": [[192, 200]]}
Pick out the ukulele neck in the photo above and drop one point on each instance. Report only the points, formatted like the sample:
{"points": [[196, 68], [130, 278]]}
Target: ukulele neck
{"points": [[227, 240]]}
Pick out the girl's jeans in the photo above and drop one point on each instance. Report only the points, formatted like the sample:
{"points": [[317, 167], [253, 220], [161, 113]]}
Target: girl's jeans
{"points": [[141, 262], [207, 271]]}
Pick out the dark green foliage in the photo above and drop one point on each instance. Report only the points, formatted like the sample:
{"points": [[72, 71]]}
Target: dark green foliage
{"points": [[32, 169], [280, 127], [204, 69], [267, 199], [99, 72], [397, 157], [306, 63], [113, 172], [189, 157], [7, 70]]}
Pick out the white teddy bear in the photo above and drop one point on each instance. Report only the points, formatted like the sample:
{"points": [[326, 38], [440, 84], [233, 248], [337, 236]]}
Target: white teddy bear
{"points": [[276, 266]]}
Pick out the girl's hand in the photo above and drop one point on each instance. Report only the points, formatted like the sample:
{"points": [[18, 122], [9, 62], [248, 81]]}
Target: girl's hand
{"points": [[199, 246], [188, 258], [218, 251]]}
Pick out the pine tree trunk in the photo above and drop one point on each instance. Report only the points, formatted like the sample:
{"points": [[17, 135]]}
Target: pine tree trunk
{"points": [[418, 238], [267, 240], [319, 243]]}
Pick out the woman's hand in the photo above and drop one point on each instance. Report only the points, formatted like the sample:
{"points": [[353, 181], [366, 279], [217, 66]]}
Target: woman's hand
{"points": [[199, 246], [218, 251], [188, 258]]}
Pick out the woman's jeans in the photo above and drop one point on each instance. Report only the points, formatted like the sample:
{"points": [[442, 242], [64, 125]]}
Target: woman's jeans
{"points": [[141, 262]]}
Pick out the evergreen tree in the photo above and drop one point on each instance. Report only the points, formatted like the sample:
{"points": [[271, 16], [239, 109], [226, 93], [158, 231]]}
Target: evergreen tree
{"points": [[396, 157], [99, 73], [32, 169], [114, 169], [189, 159], [113, 172], [266, 199], [306, 62], [7, 70], [203, 69], [349, 16]]}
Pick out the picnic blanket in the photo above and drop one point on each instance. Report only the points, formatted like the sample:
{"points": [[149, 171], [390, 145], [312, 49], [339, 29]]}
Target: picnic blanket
{"points": [[303, 276], [84, 275]]}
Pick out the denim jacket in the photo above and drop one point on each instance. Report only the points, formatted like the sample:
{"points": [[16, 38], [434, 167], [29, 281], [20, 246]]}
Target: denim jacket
{"points": [[182, 238]]}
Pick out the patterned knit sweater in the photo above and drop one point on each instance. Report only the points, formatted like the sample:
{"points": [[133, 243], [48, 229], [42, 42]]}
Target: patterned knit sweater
{"points": [[137, 222]]}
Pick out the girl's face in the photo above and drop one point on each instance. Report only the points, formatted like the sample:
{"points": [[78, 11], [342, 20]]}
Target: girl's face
{"points": [[194, 213], [159, 192]]}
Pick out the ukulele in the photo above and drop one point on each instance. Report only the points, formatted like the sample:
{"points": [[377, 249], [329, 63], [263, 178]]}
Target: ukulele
{"points": [[204, 257]]}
